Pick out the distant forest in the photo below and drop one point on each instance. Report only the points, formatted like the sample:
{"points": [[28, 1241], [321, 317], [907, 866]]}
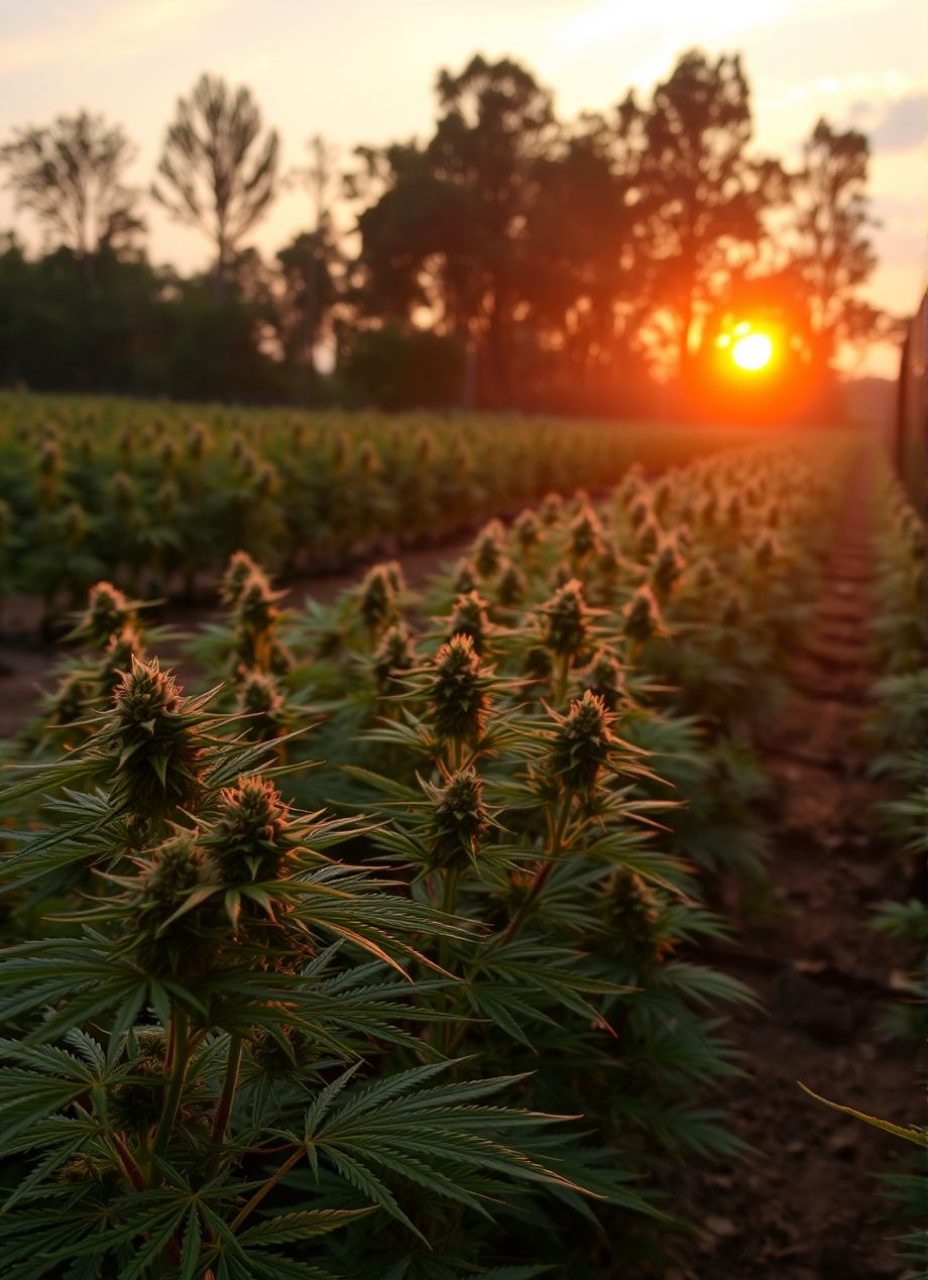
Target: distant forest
{"points": [[511, 260]]}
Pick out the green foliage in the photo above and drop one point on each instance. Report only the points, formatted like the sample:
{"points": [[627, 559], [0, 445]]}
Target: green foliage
{"points": [[392, 369], [155, 497], [299, 1016]]}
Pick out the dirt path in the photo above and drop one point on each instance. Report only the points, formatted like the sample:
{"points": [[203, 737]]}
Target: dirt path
{"points": [[27, 663], [807, 1207]]}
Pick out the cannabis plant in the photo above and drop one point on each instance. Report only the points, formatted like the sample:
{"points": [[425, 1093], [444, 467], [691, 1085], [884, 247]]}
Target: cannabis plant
{"points": [[227, 1045]]}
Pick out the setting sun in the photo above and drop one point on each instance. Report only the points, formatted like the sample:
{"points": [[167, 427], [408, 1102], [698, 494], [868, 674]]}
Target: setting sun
{"points": [[752, 352]]}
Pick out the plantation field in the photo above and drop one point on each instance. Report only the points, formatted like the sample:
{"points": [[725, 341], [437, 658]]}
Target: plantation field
{"points": [[156, 497], [478, 928]]}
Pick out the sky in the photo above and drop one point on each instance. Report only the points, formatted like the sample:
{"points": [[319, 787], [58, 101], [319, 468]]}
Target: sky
{"points": [[363, 71]]}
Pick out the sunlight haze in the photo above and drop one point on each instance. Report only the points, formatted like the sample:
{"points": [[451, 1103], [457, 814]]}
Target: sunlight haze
{"points": [[363, 72]]}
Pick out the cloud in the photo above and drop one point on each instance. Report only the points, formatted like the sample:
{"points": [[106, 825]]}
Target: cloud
{"points": [[894, 126], [904, 125]]}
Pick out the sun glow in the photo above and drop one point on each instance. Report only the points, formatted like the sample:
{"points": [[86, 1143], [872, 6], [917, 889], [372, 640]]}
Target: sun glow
{"points": [[752, 352]]}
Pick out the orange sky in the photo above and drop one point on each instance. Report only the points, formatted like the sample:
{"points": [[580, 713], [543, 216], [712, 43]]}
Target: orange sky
{"points": [[362, 71]]}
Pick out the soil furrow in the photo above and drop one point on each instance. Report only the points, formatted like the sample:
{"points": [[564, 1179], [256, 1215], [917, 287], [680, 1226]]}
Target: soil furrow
{"points": [[806, 1206]]}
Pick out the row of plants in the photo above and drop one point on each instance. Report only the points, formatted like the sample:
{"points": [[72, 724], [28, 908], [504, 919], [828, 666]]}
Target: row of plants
{"points": [[157, 497], [274, 944], [897, 734]]}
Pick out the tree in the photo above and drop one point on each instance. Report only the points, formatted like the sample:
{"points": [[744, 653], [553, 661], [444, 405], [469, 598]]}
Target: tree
{"points": [[831, 252], [71, 176], [395, 370], [309, 265], [585, 280], [219, 168], [447, 232], [701, 197]]}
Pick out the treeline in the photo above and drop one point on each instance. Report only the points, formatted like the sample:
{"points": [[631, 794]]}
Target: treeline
{"points": [[512, 259]]}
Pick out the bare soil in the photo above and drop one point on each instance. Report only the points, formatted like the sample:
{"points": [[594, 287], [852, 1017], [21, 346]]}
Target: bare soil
{"points": [[807, 1206]]}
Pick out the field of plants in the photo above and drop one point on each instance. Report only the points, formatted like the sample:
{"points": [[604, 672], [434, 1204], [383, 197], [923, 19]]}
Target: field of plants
{"points": [[157, 496], [482, 928]]}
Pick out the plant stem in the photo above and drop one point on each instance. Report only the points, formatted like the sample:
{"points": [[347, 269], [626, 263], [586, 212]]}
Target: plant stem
{"points": [[518, 919], [266, 1188], [541, 875], [132, 1170], [450, 892], [448, 900], [560, 684], [226, 1098], [179, 1062]]}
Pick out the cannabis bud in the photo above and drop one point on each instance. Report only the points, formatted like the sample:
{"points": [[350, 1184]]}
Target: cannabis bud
{"points": [[122, 648], [666, 569], [605, 679], [458, 820], [240, 569], [526, 529], [266, 480], [255, 619], [108, 612], [551, 509], [647, 539], [566, 619], [250, 840], [629, 489], [198, 442], [581, 744], [584, 535], [466, 577], [156, 768], [260, 700], [661, 496], [469, 618], [641, 616], [608, 563], [458, 698], [122, 492], [393, 657], [511, 588], [169, 932], [632, 916], [70, 700], [256, 611], [377, 600], [488, 549]]}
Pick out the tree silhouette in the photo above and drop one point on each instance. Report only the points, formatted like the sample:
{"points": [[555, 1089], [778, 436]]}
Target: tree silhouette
{"points": [[527, 261], [701, 196], [309, 263], [448, 232], [584, 286], [832, 254], [71, 176], [219, 173]]}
